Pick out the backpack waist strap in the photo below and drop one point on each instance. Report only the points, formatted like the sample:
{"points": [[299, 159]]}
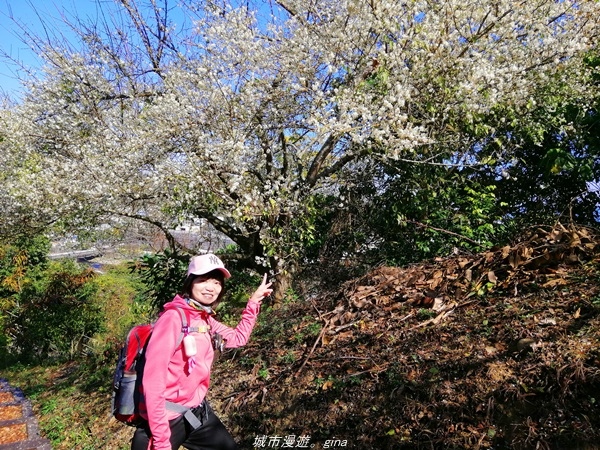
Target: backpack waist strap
{"points": [[186, 412]]}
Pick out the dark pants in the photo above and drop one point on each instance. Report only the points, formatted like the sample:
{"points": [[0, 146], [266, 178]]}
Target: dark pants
{"points": [[212, 435]]}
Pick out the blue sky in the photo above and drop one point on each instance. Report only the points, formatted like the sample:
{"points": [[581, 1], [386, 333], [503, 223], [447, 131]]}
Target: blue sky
{"points": [[39, 16], [31, 13]]}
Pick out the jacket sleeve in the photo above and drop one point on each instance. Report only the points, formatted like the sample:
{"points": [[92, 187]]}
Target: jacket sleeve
{"points": [[238, 336], [158, 355]]}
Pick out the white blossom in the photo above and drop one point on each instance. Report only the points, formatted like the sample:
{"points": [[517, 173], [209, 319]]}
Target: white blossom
{"points": [[234, 120]]}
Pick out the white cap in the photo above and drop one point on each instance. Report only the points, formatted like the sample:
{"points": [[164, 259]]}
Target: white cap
{"points": [[200, 265]]}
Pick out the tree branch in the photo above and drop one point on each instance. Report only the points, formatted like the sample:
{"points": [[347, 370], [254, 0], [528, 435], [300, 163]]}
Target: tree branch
{"points": [[441, 230], [326, 149], [173, 244]]}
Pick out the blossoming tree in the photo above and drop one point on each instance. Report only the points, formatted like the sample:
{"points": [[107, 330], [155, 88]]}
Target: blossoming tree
{"points": [[241, 113]]}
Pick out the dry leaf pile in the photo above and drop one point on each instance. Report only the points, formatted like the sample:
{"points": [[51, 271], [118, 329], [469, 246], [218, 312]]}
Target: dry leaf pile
{"points": [[539, 259]]}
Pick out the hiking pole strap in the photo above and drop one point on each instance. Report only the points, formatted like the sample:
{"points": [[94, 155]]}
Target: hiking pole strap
{"points": [[187, 414]]}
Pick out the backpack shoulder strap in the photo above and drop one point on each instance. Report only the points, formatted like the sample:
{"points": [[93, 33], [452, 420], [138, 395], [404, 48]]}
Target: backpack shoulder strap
{"points": [[185, 328], [184, 325]]}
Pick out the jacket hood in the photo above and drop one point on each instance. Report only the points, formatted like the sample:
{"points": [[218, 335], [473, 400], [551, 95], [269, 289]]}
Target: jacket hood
{"points": [[179, 302]]}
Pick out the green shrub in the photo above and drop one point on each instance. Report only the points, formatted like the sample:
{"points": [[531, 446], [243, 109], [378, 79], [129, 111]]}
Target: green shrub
{"points": [[238, 290], [55, 314], [163, 275], [122, 297]]}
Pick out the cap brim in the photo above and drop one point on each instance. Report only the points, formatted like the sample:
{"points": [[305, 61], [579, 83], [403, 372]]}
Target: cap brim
{"points": [[225, 272]]}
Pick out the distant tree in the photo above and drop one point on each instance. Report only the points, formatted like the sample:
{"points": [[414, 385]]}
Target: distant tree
{"points": [[247, 113]]}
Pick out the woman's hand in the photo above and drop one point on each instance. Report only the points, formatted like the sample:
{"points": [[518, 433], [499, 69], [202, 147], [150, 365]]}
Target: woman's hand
{"points": [[264, 290]]}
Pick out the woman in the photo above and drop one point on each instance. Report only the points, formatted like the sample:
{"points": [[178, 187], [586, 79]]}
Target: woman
{"points": [[176, 372]]}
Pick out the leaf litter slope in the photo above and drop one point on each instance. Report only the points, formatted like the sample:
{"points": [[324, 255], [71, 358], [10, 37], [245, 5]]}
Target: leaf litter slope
{"points": [[494, 350]]}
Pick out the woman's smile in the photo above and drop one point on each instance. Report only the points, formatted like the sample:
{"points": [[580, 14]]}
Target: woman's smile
{"points": [[206, 290]]}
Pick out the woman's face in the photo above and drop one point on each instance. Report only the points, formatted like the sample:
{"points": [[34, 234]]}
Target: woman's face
{"points": [[206, 289]]}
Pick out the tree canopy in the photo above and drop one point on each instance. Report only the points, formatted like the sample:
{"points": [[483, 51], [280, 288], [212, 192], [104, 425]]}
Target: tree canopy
{"points": [[242, 113]]}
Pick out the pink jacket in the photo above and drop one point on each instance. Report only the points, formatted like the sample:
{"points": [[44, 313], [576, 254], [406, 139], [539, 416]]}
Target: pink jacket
{"points": [[167, 375]]}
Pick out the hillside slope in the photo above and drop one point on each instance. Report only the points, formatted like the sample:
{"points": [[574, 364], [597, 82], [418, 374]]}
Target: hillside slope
{"points": [[496, 350], [489, 351]]}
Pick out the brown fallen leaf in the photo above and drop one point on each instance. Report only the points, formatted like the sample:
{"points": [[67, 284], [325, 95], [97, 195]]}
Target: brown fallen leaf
{"points": [[555, 282]]}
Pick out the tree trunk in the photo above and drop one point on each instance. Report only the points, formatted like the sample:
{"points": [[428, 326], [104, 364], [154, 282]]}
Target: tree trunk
{"points": [[282, 282]]}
